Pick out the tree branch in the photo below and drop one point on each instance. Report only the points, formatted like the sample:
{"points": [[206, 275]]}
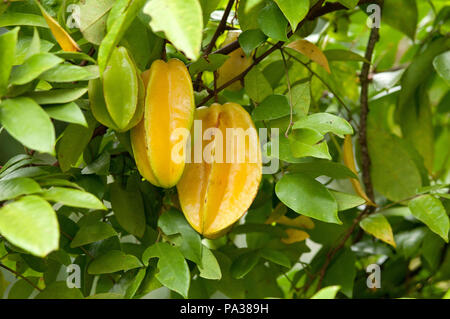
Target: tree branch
{"points": [[275, 47], [220, 28], [317, 11], [364, 101], [20, 276]]}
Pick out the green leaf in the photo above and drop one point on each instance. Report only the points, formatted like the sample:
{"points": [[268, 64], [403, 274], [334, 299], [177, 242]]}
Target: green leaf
{"points": [[308, 142], [272, 22], [394, 173], [386, 80], [408, 242], [441, 64], [213, 63], [173, 269], [59, 290], [136, 282], [12, 188], [378, 226], [209, 267], [432, 248], [16, 18], [401, 15], [422, 65], [21, 289], [257, 86], [73, 197], [342, 272], [33, 67], [324, 123], [74, 134], [276, 257], [343, 55], [243, 264], [58, 96], [294, 10], [8, 43], [64, 73], [69, 112], [113, 261], [250, 40], [117, 30], [28, 123], [431, 212], [347, 201], [327, 293], [308, 197], [301, 98], [181, 21], [31, 224], [173, 222], [93, 15], [92, 232], [248, 13], [128, 208], [273, 107]]}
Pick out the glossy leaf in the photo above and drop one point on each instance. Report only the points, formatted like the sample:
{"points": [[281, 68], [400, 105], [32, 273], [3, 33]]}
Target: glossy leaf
{"points": [[173, 269], [294, 10], [378, 226], [12, 188], [92, 232], [33, 67], [72, 197], [8, 43], [186, 34], [308, 197], [69, 112], [113, 261], [128, 208], [431, 212], [28, 123], [31, 224]]}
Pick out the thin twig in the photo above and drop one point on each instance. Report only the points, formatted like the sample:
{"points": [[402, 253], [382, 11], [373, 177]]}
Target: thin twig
{"points": [[288, 81], [20, 276], [220, 28]]}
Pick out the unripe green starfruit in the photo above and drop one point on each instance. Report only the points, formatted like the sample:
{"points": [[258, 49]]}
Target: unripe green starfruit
{"points": [[117, 98], [216, 191], [169, 111]]}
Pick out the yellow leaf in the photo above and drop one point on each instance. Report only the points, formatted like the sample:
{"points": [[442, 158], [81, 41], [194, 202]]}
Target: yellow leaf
{"points": [[378, 226], [294, 236], [279, 211], [64, 40], [300, 222], [311, 51], [277, 216], [349, 161]]}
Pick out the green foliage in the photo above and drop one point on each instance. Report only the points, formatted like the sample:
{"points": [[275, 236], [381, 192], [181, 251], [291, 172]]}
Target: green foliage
{"points": [[70, 192]]}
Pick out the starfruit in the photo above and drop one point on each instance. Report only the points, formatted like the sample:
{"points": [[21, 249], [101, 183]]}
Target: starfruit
{"points": [[237, 63], [117, 99], [218, 188], [169, 110]]}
